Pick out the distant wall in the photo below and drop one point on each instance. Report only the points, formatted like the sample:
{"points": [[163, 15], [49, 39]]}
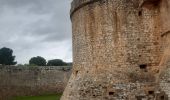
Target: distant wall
{"points": [[32, 80]]}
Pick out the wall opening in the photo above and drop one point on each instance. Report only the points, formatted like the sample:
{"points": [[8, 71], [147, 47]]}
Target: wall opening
{"points": [[162, 97], [140, 13], [76, 72], [143, 66], [111, 93], [151, 92], [94, 95]]}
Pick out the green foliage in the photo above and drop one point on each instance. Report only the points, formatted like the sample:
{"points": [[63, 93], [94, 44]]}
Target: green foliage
{"points": [[6, 57], [39, 61], [56, 62]]}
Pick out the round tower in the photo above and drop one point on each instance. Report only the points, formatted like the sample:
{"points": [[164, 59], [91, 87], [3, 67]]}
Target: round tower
{"points": [[116, 49]]}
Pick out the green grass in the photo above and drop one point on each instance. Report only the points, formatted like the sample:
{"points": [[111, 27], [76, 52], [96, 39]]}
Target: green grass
{"points": [[44, 97]]}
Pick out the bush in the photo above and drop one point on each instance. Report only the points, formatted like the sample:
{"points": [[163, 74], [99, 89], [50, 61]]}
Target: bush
{"points": [[39, 61], [56, 62]]}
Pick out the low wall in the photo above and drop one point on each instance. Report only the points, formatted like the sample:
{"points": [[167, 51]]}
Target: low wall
{"points": [[32, 80]]}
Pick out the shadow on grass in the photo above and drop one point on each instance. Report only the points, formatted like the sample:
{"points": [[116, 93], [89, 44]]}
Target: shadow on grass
{"points": [[43, 97]]}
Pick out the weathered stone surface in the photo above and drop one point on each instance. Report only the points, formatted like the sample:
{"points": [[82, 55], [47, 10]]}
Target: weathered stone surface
{"points": [[21, 81], [119, 49]]}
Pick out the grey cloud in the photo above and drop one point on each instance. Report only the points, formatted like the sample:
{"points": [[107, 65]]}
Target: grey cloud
{"points": [[30, 26], [35, 6]]}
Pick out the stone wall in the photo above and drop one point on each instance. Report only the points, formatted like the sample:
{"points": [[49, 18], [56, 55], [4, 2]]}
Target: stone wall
{"points": [[32, 80], [164, 77], [165, 81], [117, 47]]}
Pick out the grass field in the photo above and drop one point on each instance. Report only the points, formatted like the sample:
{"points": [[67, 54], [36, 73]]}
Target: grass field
{"points": [[44, 97]]}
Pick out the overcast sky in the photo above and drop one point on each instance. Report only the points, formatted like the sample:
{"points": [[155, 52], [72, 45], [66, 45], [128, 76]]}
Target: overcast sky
{"points": [[36, 28]]}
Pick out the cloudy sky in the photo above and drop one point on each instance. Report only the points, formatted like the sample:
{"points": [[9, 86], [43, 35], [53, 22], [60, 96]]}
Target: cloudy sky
{"points": [[36, 28]]}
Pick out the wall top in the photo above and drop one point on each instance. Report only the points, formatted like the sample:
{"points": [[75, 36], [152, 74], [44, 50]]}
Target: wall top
{"points": [[8, 67], [77, 4]]}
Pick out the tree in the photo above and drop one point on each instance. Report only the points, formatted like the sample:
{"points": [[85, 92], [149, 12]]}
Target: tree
{"points": [[6, 56], [39, 61], [56, 62]]}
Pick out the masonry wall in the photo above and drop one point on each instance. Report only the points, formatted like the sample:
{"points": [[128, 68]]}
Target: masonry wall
{"points": [[117, 48], [164, 78], [32, 80]]}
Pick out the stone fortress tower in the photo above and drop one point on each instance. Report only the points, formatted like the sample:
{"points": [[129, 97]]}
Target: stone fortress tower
{"points": [[121, 50]]}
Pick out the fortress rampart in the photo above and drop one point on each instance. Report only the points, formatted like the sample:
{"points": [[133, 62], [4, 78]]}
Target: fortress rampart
{"points": [[120, 50], [32, 80], [78, 4]]}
